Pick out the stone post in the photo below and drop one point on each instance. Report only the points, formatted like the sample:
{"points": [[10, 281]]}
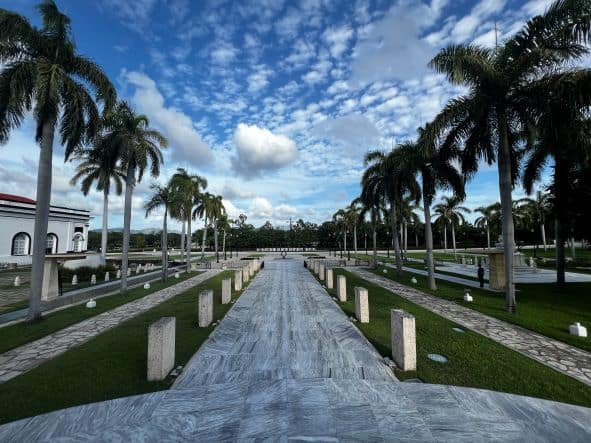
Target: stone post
{"points": [[226, 291], [238, 280], [245, 275], [118, 274], [251, 269], [107, 276], [161, 347], [404, 345], [205, 308], [342, 288], [93, 279], [329, 279], [321, 272], [361, 305], [17, 281], [74, 280]]}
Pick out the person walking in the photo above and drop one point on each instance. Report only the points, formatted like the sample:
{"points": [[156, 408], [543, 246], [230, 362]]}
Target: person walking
{"points": [[481, 275]]}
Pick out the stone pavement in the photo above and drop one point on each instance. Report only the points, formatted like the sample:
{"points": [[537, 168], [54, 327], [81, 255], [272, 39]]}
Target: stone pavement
{"points": [[560, 356], [286, 364], [19, 360]]}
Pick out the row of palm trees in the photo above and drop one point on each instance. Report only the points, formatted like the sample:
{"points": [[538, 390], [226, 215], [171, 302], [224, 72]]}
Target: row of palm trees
{"points": [[524, 104]]}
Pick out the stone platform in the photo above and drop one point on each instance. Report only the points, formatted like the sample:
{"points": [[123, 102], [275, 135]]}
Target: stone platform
{"points": [[287, 364]]}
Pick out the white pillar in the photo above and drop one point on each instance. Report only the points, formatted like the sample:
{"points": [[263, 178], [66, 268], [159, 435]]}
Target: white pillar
{"points": [[329, 279], [226, 291], [361, 305], [205, 308], [107, 276], [321, 272], [404, 346], [342, 288], [161, 347], [238, 280], [245, 274]]}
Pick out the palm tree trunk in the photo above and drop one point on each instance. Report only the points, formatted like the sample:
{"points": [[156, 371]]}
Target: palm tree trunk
{"points": [[215, 238], [44, 172], [105, 231], [189, 241], [183, 241], [453, 239], [129, 185], [573, 250], [405, 238], [394, 218], [224, 243], [508, 228], [165, 246], [355, 238], [561, 189], [488, 234], [543, 229], [204, 239], [444, 237], [429, 245], [345, 240], [375, 246]]}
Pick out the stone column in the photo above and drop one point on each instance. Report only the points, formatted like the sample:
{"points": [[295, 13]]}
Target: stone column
{"points": [[245, 274], [161, 344], [205, 308], [329, 279], [404, 345], [342, 288], [321, 272], [251, 269], [238, 280], [361, 305], [226, 291]]}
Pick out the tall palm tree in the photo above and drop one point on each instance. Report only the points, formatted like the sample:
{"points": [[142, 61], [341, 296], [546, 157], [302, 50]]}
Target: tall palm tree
{"points": [[216, 210], [371, 199], [340, 220], [139, 148], [99, 165], [436, 172], [353, 213], [486, 219], [225, 224], [41, 71], [408, 206], [189, 187], [487, 120], [450, 211], [162, 197], [203, 211]]}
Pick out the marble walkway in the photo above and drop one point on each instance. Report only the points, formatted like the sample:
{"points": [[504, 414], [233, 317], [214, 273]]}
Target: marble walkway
{"points": [[286, 364], [560, 356], [19, 360]]}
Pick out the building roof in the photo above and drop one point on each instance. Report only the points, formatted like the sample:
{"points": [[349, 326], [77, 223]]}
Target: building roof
{"points": [[16, 198]]}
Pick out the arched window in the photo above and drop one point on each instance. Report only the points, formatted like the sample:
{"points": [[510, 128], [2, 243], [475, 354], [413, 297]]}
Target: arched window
{"points": [[78, 242], [21, 244], [51, 245]]}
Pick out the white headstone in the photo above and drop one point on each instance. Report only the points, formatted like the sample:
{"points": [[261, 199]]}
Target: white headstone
{"points": [[91, 304], [329, 279], [361, 305], [404, 346], [17, 281], [578, 330], [413, 281], [245, 274], [93, 279], [238, 280], [161, 347], [468, 297], [226, 291], [205, 308], [177, 275], [107, 276], [342, 288], [138, 269], [118, 273], [128, 272], [321, 272], [74, 280], [147, 286]]}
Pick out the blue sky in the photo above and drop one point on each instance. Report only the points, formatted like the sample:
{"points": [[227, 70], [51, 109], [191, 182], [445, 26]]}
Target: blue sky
{"points": [[274, 102]]}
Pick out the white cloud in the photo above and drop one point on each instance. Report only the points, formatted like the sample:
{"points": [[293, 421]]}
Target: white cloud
{"points": [[223, 53], [355, 132], [233, 191], [259, 79], [185, 142], [338, 39], [259, 150]]}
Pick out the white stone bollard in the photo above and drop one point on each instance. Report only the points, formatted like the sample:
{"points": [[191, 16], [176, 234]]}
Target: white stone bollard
{"points": [[404, 344], [177, 275], [205, 308], [238, 280], [161, 347], [468, 297], [413, 281], [17, 281], [251, 269], [245, 274], [226, 291], [118, 274], [329, 279], [107, 276], [144, 268], [74, 280], [93, 279], [361, 305], [342, 288], [91, 304], [321, 272], [147, 286], [578, 330], [138, 269]]}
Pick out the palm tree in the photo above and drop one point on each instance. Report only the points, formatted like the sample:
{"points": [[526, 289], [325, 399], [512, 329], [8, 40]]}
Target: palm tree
{"points": [[162, 197], [100, 166], [372, 202], [225, 224], [436, 172], [189, 187], [488, 119], [203, 211], [216, 210], [451, 211], [340, 220], [353, 213], [139, 148], [407, 209], [486, 219], [41, 71]]}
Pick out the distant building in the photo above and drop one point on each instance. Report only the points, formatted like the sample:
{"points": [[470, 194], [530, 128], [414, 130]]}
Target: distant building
{"points": [[67, 230]]}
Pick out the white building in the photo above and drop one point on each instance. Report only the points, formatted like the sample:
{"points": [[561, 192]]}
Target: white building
{"points": [[67, 230]]}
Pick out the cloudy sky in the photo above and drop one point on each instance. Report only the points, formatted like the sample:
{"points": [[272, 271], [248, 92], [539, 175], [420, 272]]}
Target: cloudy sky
{"points": [[274, 102]]}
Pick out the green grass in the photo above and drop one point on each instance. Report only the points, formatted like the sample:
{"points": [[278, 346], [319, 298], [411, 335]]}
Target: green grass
{"points": [[21, 333], [474, 360], [582, 253], [111, 365], [543, 308]]}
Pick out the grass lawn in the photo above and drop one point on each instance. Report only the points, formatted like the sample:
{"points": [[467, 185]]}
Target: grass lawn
{"points": [[543, 308], [474, 360], [113, 364], [20, 333]]}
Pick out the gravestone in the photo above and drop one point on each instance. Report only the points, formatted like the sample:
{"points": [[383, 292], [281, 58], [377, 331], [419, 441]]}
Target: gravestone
{"points": [[245, 275], [226, 291], [342, 288], [161, 348], [74, 280], [107, 276], [329, 279], [321, 272], [238, 280], [404, 347], [118, 273], [17, 281], [93, 279], [205, 308], [361, 305]]}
